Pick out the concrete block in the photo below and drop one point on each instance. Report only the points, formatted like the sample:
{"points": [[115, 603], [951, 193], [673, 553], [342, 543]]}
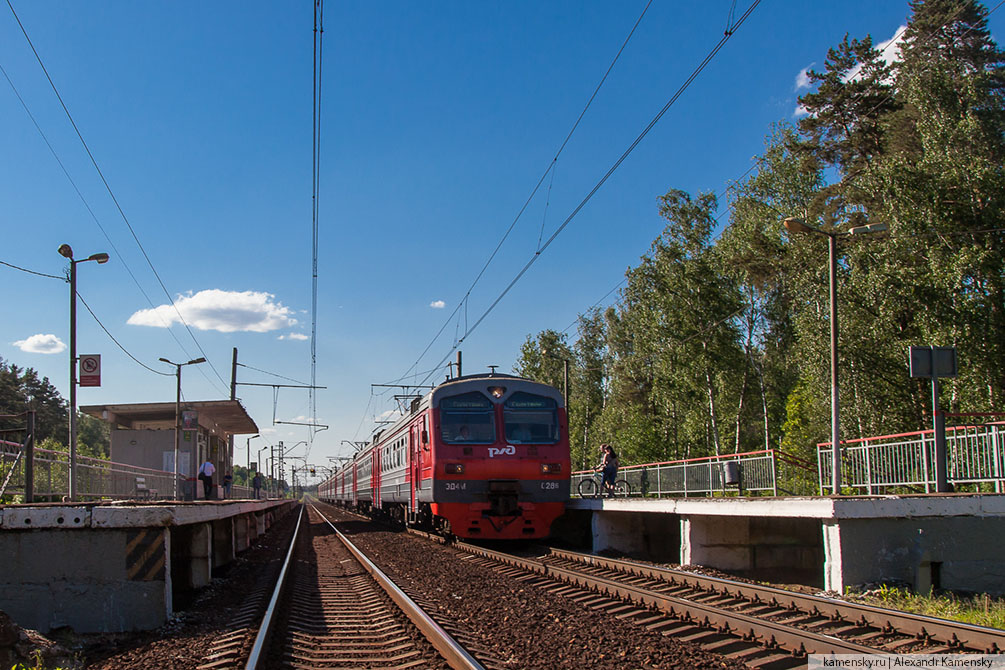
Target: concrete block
{"points": [[92, 581], [223, 542], [240, 532], [27, 518], [192, 556]]}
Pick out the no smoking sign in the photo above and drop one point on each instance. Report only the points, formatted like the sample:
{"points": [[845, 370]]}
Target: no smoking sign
{"points": [[90, 370]]}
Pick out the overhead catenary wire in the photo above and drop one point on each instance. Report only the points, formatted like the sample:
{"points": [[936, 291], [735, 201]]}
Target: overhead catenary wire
{"points": [[266, 372], [91, 311], [315, 198], [111, 194], [32, 272], [550, 169], [117, 343], [120, 258], [533, 259], [730, 206]]}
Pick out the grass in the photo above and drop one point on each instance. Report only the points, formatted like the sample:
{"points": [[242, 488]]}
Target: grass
{"points": [[980, 610]]}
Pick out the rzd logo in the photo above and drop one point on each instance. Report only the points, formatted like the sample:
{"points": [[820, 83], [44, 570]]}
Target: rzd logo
{"points": [[508, 450]]}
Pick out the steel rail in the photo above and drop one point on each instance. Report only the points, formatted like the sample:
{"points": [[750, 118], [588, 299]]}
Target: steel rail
{"points": [[263, 631], [455, 655], [749, 628], [951, 633]]}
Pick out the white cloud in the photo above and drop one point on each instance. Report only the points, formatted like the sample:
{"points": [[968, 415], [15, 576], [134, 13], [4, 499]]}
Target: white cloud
{"points": [[437, 304], [223, 311], [41, 344], [803, 78], [293, 336], [800, 112], [889, 53]]}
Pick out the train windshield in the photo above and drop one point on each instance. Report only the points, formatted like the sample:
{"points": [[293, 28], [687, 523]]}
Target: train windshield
{"points": [[467, 418], [530, 419]]}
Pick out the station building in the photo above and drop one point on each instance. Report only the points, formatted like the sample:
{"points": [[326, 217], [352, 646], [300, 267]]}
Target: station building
{"points": [[143, 434]]}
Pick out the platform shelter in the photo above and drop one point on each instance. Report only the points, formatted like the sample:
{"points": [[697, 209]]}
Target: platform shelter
{"points": [[143, 434]]}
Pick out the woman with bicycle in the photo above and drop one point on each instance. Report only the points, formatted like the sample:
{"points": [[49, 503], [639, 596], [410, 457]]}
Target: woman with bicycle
{"points": [[609, 467]]}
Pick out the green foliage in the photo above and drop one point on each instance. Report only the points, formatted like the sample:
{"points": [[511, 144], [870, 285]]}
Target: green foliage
{"points": [[981, 610], [37, 663], [241, 476], [21, 389], [721, 343], [93, 437]]}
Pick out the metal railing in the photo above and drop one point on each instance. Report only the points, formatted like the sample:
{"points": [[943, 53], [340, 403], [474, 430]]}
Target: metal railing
{"points": [[96, 478], [757, 471], [906, 461]]}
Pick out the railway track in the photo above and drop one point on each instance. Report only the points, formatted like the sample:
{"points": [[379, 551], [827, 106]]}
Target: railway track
{"points": [[333, 608], [759, 625]]}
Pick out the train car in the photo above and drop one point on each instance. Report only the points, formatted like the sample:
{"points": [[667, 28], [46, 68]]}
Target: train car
{"points": [[481, 456]]}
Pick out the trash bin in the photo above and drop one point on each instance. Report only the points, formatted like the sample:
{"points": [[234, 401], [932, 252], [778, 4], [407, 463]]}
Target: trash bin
{"points": [[731, 473]]}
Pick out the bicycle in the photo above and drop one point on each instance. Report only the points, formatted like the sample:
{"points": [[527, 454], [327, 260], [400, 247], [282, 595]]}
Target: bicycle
{"points": [[590, 487]]}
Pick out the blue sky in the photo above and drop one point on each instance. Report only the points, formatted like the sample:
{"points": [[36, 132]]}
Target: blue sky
{"points": [[437, 121]]}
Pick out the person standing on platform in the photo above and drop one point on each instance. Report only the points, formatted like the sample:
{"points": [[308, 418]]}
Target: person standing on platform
{"points": [[206, 471], [257, 483], [227, 481], [609, 467]]}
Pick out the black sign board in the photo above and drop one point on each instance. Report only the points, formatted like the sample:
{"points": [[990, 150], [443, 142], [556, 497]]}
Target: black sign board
{"points": [[933, 361]]}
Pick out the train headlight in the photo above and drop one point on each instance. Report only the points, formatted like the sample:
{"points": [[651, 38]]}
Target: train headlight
{"points": [[455, 468], [551, 468], [497, 391]]}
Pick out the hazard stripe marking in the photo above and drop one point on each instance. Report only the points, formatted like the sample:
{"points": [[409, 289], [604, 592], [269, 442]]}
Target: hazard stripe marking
{"points": [[145, 557]]}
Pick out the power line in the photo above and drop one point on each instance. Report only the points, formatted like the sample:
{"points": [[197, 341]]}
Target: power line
{"points": [[112, 338], [319, 30], [32, 272], [759, 162], [533, 259], [289, 379], [108, 188], [94, 217], [530, 198]]}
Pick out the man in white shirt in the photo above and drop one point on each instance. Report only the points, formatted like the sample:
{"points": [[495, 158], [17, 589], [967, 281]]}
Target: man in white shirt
{"points": [[206, 471]]}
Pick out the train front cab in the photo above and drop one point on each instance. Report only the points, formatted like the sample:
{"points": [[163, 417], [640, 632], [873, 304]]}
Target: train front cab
{"points": [[500, 460]]}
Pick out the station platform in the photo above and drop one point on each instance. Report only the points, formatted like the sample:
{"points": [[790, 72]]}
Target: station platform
{"points": [[117, 566], [949, 541]]}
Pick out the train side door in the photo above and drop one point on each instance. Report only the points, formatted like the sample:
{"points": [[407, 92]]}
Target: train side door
{"points": [[413, 464], [377, 462]]}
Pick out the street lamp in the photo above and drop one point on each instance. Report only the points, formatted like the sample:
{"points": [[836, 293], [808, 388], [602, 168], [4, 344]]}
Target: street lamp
{"points": [[66, 252], [261, 469], [249, 453], [797, 225], [177, 416]]}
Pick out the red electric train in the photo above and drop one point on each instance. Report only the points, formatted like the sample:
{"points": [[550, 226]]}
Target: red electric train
{"points": [[482, 456]]}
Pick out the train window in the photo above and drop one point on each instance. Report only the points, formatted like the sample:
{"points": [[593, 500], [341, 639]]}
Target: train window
{"points": [[530, 419], [468, 418]]}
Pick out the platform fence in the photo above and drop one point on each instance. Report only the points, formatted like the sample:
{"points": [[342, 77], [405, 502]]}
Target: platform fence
{"points": [[96, 478], [758, 472], [905, 463]]}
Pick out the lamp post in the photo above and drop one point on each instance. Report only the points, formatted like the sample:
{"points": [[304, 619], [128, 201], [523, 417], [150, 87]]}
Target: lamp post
{"points": [[66, 252], [248, 466], [177, 415], [796, 225]]}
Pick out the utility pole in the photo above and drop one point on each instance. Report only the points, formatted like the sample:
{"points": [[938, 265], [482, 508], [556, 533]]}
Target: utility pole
{"points": [[233, 396], [459, 373], [29, 458]]}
